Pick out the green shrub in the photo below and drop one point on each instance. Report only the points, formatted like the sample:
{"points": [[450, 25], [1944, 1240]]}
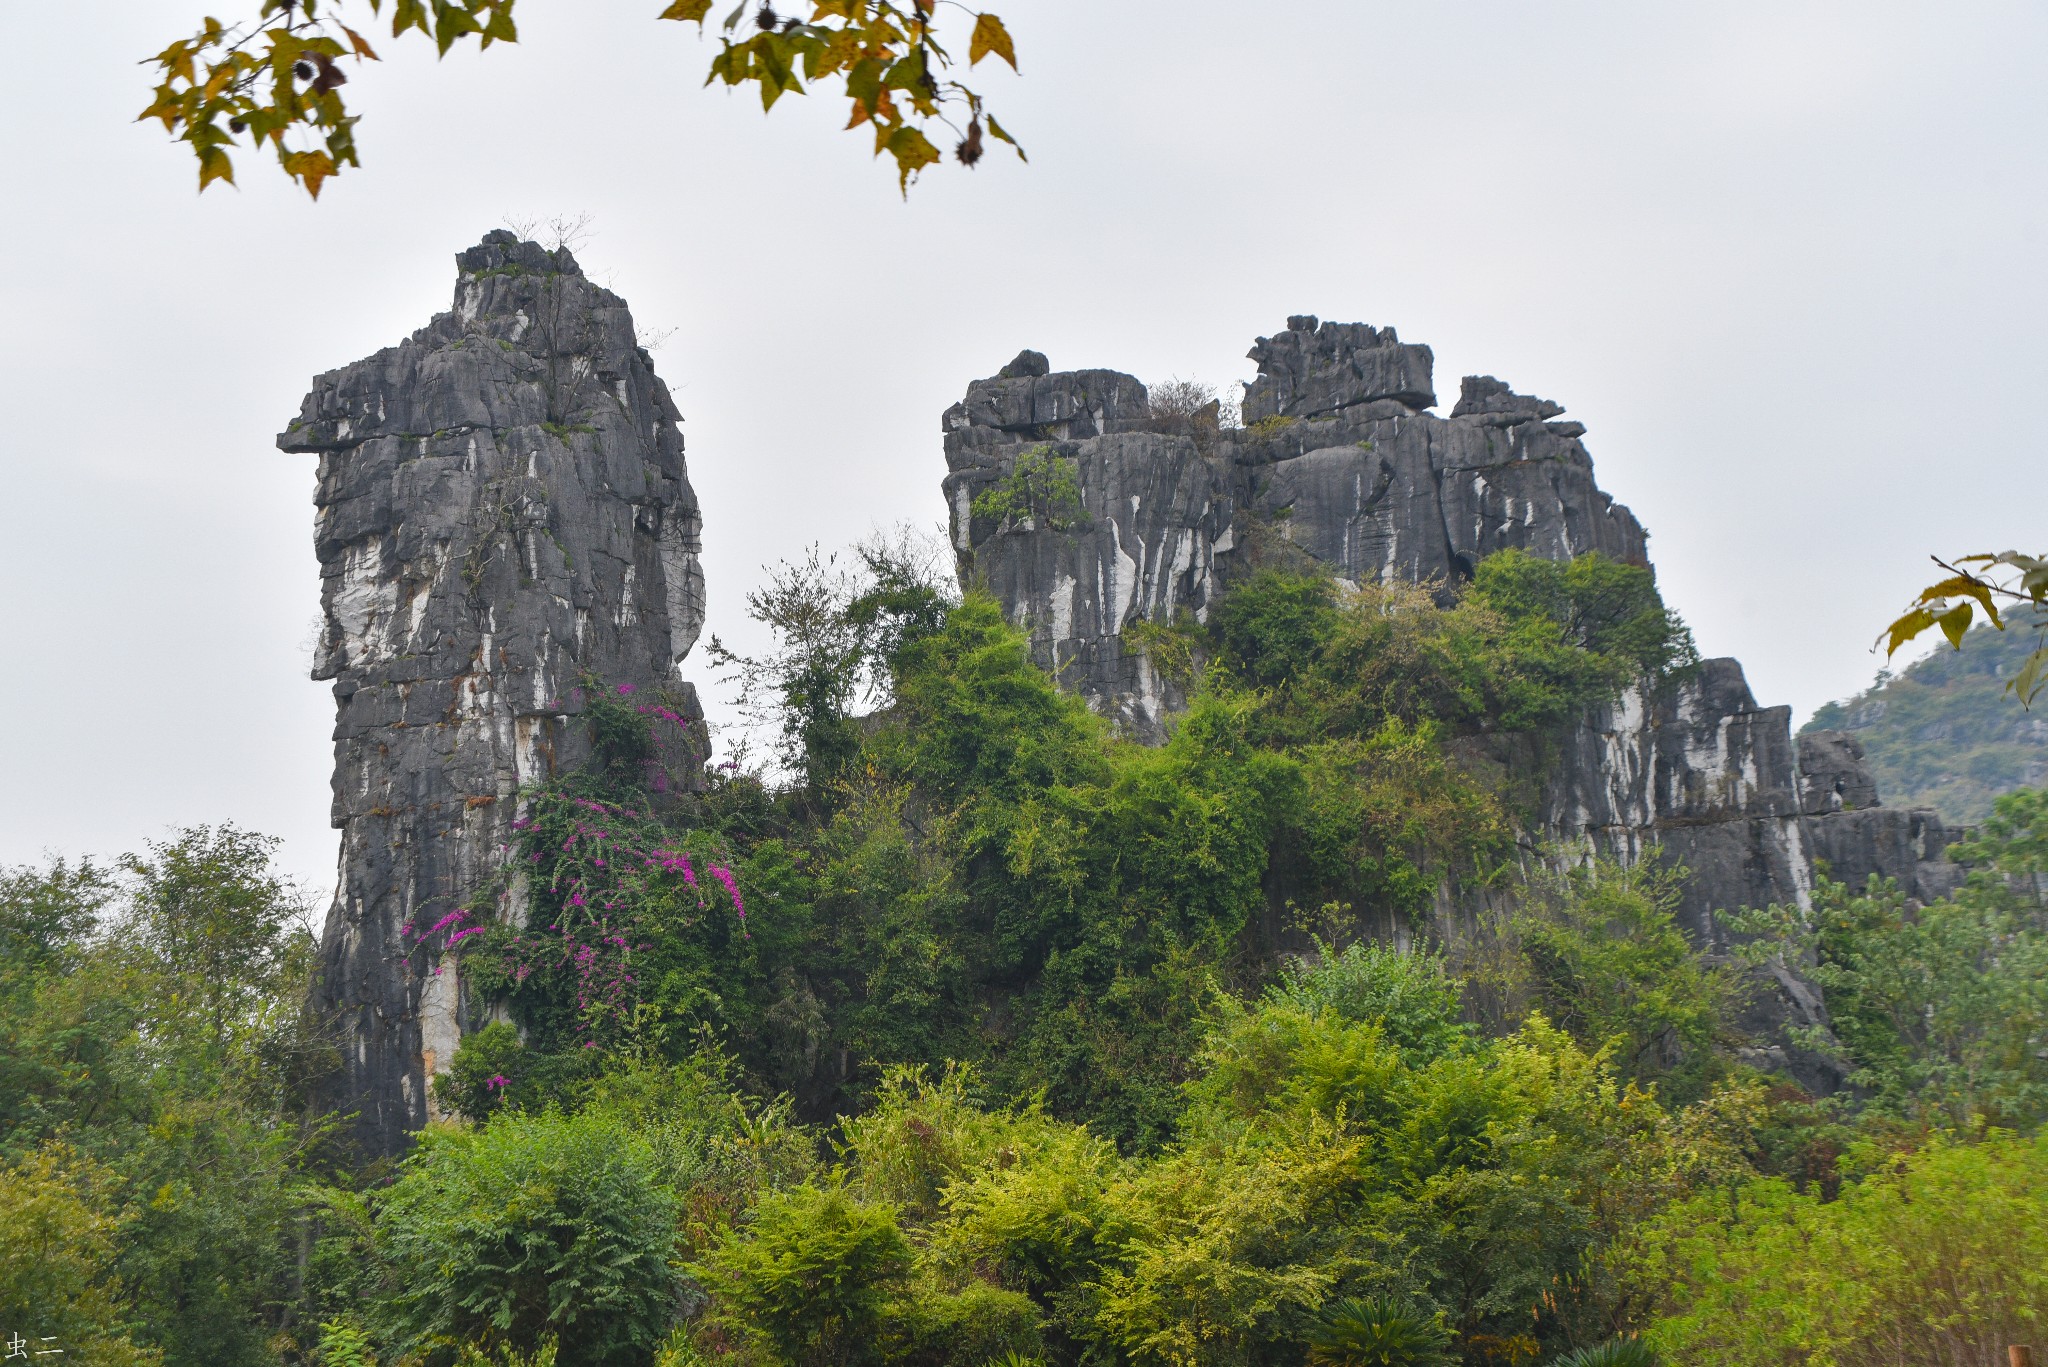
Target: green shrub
{"points": [[965, 1328], [1272, 627], [1409, 995], [1377, 1332], [1938, 1256], [811, 1277], [1621, 1352], [1603, 607], [493, 1070], [1041, 486], [534, 1227], [1608, 961]]}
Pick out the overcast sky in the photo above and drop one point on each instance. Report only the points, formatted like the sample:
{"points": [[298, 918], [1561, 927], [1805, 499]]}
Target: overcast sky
{"points": [[1784, 260]]}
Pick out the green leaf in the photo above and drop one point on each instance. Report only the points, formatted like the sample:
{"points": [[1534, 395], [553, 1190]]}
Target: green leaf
{"points": [[1906, 628], [1967, 585], [864, 81], [990, 36], [1955, 622], [913, 152], [687, 9], [996, 130], [2026, 685], [214, 165]]}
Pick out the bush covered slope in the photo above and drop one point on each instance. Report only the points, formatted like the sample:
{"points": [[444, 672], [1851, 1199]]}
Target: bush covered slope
{"points": [[973, 1036]]}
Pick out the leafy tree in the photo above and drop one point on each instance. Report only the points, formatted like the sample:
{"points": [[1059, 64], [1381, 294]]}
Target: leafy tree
{"points": [[1522, 648], [45, 917], [1941, 1011], [2012, 843], [1273, 627], [1604, 607], [61, 1229], [534, 1227], [837, 630], [212, 918], [277, 81], [1606, 959], [1484, 1184], [161, 1037]]}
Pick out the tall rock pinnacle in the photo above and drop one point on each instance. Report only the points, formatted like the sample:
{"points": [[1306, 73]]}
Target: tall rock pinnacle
{"points": [[504, 513]]}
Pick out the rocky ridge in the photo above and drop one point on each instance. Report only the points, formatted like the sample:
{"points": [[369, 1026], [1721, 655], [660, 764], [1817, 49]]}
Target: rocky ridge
{"points": [[1341, 461], [504, 513]]}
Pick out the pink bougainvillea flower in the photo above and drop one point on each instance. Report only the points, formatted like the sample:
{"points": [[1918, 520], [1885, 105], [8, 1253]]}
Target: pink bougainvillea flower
{"points": [[732, 889]]}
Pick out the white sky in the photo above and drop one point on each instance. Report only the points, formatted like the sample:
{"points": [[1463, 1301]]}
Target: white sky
{"points": [[1785, 260]]}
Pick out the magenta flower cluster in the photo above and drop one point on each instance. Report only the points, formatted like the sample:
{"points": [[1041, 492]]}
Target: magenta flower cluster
{"points": [[452, 923], [604, 871]]}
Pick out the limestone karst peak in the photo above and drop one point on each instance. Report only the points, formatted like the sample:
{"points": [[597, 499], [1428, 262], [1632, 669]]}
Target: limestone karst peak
{"points": [[1340, 469], [505, 521]]}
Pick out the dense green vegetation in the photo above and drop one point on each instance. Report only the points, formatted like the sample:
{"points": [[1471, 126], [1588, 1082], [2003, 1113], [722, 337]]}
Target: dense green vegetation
{"points": [[975, 1035], [1944, 732]]}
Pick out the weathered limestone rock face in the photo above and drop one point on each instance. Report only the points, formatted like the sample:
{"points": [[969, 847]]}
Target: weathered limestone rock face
{"points": [[1857, 836], [504, 511], [1339, 462]]}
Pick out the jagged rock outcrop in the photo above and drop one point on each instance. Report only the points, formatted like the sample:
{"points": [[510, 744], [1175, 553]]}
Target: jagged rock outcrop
{"points": [[1340, 462], [504, 511], [1856, 836]]}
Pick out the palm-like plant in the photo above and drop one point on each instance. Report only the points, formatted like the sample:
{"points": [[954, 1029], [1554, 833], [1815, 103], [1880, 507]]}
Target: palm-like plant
{"points": [[1377, 1331], [1622, 1352]]}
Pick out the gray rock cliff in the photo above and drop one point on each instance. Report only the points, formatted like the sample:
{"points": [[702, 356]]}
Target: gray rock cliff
{"points": [[1341, 462], [1856, 836], [503, 512]]}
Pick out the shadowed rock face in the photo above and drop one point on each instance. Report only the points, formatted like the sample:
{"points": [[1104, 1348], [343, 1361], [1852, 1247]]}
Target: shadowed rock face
{"points": [[504, 511], [1340, 463]]}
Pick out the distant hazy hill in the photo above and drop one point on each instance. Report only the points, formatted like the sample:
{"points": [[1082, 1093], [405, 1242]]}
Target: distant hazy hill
{"points": [[1943, 733]]}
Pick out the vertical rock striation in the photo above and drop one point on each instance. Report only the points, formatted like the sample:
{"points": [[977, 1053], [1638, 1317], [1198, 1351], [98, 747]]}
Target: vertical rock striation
{"points": [[503, 512], [1341, 462]]}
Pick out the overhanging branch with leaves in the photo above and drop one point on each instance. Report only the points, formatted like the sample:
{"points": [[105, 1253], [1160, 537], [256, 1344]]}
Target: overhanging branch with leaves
{"points": [[276, 82]]}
